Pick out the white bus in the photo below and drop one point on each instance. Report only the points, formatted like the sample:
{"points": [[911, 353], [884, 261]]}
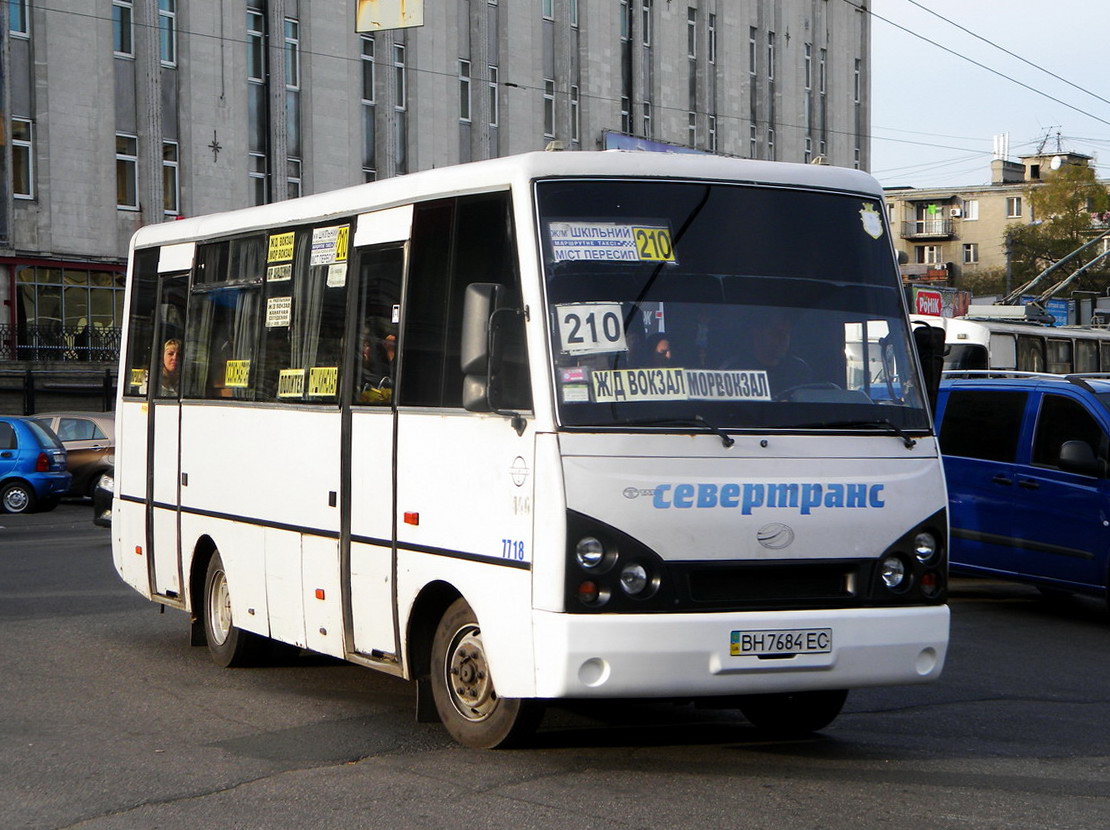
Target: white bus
{"points": [[562, 425], [1025, 347]]}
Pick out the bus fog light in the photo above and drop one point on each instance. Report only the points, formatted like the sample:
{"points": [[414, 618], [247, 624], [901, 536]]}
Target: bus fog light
{"points": [[924, 546], [893, 572], [930, 584], [589, 552], [590, 593], [634, 579]]}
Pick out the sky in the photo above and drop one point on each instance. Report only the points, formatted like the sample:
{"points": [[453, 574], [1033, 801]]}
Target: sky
{"points": [[934, 115]]}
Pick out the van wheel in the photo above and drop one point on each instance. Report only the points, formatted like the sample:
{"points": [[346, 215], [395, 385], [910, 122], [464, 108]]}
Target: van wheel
{"points": [[229, 646], [463, 690], [793, 714], [17, 497]]}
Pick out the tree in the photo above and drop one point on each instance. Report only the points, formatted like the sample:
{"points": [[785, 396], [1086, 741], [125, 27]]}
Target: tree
{"points": [[1065, 208]]}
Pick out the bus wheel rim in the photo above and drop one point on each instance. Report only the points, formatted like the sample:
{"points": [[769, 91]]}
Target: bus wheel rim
{"points": [[219, 608], [468, 677]]}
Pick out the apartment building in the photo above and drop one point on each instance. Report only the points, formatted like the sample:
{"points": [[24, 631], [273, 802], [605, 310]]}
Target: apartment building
{"points": [[945, 233], [121, 113]]}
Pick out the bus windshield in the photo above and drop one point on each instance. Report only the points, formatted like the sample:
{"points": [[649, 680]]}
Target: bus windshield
{"points": [[739, 306]]}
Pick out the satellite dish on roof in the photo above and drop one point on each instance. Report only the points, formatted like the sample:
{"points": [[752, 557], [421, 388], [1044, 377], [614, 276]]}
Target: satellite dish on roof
{"points": [[1056, 162]]}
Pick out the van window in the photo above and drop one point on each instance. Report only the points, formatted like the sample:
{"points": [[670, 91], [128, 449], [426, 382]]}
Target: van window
{"points": [[1064, 419], [982, 424]]}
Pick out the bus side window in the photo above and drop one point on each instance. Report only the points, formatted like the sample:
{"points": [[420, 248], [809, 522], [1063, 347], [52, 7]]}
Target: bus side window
{"points": [[481, 249], [1030, 353], [223, 319], [171, 335], [140, 332]]}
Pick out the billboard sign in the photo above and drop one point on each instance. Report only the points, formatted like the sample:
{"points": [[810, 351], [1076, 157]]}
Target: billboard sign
{"points": [[379, 15]]}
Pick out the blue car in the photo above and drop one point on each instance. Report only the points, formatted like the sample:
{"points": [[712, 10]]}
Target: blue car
{"points": [[1026, 460], [33, 474]]}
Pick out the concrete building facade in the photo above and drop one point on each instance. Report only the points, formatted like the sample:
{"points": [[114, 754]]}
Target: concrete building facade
{"points": [[122, 113]]}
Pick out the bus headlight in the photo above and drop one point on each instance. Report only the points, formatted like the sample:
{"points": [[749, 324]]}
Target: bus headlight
{"points": [[589, 552], [893, 572], [634, 579], [924, 546]]}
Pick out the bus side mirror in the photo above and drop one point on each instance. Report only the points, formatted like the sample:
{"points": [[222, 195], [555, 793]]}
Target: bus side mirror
{"points": [[1078, 457], [479, 303], [929, 341]]}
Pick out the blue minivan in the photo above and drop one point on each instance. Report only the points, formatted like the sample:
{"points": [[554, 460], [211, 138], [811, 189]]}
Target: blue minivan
{"points": [[1025, 459], [33, 474]]}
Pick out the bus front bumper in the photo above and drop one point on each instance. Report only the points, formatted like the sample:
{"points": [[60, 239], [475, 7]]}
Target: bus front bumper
{"points": [[680, 655]]}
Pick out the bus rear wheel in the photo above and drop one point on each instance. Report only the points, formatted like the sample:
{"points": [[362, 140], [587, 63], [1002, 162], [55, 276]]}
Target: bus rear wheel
{"points": [[229, 646], [462, 687], [793, 714]]}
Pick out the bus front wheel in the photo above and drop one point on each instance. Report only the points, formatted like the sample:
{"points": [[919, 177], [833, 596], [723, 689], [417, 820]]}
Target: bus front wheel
{"points": [[793, 714], [465, 697], [229, 646]]}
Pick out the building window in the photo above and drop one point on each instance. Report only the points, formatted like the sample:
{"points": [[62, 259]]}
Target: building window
{"points": [[549, 107], [753, 51], [647, 119], [18, 23], [292, 54], [257, 173], [123, 28], [369, 133], [494, 91], [771, 55], [771, 144], [822, 72], [692, 129], [464, 91], [626, 20], [971, 253], [691, 33], [927, 254], [23, 158], [73, 312], [574, 13], [712, 128], [400, 81], [167, 31], [712, 38], [626, 114], [256, 49], [171, 187], [971, 209], [753, 141], [808, 156], [293, 178], [127, 171], [645, 22], [575, 117], [857, 81], [548, 9], [1013, 207]]}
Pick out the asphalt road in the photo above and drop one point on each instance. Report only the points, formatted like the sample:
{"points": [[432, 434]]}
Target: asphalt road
{"points": [[108, 719]]}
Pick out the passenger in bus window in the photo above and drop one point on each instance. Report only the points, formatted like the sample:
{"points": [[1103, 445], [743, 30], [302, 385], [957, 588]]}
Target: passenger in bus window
{"points": [[378, 352], [657, 351], [170, 372]]}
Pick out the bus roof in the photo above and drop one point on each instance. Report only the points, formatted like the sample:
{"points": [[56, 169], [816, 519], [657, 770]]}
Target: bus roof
{"points": [[504, 172]]}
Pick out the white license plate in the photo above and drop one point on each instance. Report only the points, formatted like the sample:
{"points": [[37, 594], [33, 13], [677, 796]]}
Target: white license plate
{"points": [[781, 642]]}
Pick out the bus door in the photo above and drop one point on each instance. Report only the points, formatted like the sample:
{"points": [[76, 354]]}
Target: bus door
{"points": [[367, 533], [164, 416]]}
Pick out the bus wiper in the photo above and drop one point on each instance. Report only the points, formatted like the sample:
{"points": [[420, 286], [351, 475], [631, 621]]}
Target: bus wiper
{"points": [[874, 422], [697, 420]]}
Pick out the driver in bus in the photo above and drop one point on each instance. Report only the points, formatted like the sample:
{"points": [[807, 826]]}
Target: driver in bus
{"points": [[768, 341]]}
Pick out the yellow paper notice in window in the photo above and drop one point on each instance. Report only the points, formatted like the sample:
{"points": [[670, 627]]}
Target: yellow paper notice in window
{"points": [[323, 381], [281, 247], [237, 373]]}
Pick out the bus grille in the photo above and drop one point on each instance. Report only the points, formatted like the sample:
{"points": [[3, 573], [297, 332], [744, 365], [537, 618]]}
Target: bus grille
{"points": [[776, 585]]}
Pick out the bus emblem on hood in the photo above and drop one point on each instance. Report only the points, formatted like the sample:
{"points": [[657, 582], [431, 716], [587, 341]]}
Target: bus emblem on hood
{"points": [[775, 536]]}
